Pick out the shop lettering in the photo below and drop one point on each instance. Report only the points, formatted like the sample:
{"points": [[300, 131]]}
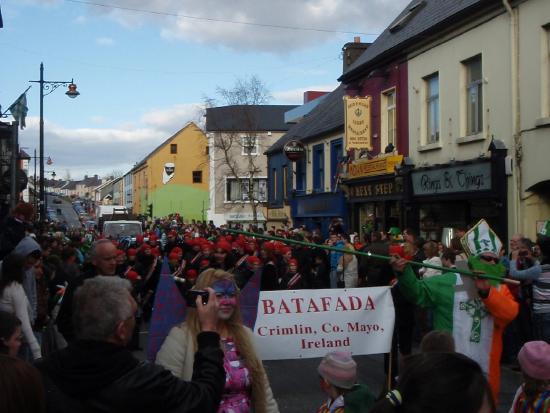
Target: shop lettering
{"points": [[317, 305], [387, 188], [457, 179]]}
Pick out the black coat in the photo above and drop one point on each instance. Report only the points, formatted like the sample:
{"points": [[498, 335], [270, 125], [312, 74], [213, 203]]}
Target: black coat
{"points": [[93, 376]]}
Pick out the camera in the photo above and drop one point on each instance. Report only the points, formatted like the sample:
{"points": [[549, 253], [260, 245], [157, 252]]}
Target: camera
{"points": [[191, 297]]}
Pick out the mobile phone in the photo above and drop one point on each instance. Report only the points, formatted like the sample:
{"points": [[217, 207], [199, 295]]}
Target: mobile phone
{"points": [[191, 297]]}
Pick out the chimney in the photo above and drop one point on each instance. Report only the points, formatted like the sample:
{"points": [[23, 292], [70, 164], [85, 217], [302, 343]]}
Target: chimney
{"points": [[85, 176], [96, 177], [312, 95], [351, 51]]}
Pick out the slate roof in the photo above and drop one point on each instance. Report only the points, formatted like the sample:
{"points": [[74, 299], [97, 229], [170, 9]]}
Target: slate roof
{"points": [[428, 19], [247, 118], [327, 117]]}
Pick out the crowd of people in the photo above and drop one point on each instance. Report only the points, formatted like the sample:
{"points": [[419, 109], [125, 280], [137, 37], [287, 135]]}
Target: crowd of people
{"points": [[89, 295]]}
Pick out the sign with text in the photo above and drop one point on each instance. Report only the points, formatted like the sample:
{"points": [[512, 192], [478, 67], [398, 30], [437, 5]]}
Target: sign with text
{"points": [[463, 178], [378, 166], [375, 189], [357, 122], [310, 323]]}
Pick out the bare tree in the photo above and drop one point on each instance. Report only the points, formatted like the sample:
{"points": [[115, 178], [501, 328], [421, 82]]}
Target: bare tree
{"points": [[237, 148]]}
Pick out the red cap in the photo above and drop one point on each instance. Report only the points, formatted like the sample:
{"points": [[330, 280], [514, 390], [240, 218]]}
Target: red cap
{"points": [[191, 273], [132, 275], [204, 263], [131, 252], [253, 260], [173, 256], [223, 245], [293, 261], [119, 252], [139, 239]]}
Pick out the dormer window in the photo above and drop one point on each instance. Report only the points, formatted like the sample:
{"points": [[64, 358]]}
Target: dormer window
{"points": [[415, 8]]}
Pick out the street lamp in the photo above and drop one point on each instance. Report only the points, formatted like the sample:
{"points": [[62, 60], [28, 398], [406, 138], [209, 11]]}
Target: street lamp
{"points": [[49, 86]]}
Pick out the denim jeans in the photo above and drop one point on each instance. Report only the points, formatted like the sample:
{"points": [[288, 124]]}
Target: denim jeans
{"points": [[541, 326]]}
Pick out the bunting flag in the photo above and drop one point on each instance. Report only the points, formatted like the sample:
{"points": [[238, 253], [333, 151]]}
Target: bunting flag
{"points": [[19, 110], [169, 308], [168, 311]]}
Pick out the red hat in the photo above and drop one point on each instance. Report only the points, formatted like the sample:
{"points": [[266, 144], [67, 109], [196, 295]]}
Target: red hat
{"points": [[173, 256], [293, 261], [176, 250], [249, 248], [191, 273], [145, 247], [204, 263], [269, 246], [119, 252], [284, 250], [223, 245], [207, 245], [229, 238], [139, 239], [131, 252], [156, 252], [173, 234], [253, 260], [132, 275]]}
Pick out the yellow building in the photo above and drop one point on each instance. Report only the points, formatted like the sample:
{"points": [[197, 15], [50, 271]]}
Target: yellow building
{"points": [[174, 177]]}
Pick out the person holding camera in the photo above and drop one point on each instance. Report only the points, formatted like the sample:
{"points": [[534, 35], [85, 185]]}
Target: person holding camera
{"points": [[247, 387], [535, 279], [98, 373]]}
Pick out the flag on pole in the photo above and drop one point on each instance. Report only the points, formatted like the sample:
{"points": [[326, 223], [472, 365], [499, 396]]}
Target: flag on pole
{"points": [[19, 109], [1, 22]]}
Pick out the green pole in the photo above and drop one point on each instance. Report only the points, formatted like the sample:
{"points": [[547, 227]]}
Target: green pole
{"points": [[365, 254]]}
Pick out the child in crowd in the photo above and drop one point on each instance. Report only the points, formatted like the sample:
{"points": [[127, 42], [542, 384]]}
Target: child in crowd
{"points": [[338, 376], [533, 396]]}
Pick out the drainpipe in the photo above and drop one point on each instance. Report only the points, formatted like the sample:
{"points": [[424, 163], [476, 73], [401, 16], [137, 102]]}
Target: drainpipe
{"points": [[516, 111]]}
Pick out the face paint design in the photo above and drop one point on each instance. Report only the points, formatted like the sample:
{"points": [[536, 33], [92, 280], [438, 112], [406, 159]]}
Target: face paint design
{"points": [[226, 294]]}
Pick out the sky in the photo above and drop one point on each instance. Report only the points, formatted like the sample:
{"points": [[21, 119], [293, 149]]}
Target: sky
{"points": [[144, 67]]}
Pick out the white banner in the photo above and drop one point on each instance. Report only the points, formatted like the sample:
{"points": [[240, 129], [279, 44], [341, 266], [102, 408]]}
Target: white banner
{"points": [[310, 323]]}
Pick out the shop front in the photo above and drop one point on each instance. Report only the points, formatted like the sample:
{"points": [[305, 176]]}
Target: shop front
{"points": [[376, 194], [458, 195], [245, 219], [318, 211]]}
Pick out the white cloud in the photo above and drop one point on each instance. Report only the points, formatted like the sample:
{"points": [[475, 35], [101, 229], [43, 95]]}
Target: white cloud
{"points": [[105, 41], [296, 96], [101, 150], [188, 20]]}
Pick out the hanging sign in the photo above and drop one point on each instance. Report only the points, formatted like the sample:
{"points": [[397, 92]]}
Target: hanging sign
{"points": [[294, 150], [357, 122]]}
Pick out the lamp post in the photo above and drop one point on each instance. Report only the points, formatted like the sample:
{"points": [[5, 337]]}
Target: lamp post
{"points": [[48, 86]]}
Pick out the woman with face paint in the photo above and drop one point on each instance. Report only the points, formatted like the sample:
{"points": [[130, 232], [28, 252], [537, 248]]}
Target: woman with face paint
{"points": [[247, 387]]}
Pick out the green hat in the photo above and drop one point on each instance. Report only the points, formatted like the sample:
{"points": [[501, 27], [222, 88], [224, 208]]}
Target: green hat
{"points": [[394, 231], [481, 239]]}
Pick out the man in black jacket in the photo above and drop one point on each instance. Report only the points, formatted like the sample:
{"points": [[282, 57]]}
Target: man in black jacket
{"points": [[97, 373]]}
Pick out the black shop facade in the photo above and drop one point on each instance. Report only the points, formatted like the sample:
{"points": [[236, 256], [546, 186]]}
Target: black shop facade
{"points": [[458, 195], [376, 195]]}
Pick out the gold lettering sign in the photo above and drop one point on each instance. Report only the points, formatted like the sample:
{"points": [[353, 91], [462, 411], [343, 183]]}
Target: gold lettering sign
{"points": [[357, 122], [376, 166], [374, 189]]}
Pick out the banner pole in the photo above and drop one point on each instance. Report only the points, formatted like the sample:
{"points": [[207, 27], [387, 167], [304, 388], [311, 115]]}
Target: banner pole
{"points": [[369, 254]]}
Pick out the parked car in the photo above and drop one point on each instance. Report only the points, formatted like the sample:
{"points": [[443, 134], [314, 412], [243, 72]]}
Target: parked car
{"points": [[57, 201]]}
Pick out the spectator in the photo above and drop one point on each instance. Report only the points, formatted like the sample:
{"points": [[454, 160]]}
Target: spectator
{"points": [[14, 228], [437, 342], [21, 387], [439, 382], [534, 394], [98, 373], [29, 251], [432, 258], [448, 258], [10, 334], [14, 300], [338, 380], [348, 265]]}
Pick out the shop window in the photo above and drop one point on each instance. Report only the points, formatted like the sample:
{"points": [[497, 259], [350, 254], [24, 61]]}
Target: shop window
{"points": [[249, 145], [474, 95], [173, 148], [237, 190], [388, 120], [197, 177], [319, 168], [432, 108]]}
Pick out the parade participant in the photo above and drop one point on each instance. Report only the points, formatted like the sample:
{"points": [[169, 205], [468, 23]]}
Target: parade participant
{"points": [[320, 273], [102, 257], [293, 279], [246, 270], [30, 252], [247, 386], [533, 396], [222, 258], [173, 262], [439, 382], [476, 314], [11, 335], [270, 270], [14, 300], [338, 380], [347, 265], [121, 265], [98, 373]]}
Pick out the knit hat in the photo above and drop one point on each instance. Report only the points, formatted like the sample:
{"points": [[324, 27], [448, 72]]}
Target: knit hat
{"points": [[534, 359], [339, 369]]}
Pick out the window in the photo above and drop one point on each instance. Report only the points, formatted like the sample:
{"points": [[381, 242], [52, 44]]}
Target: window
{"points": [[285, 182], [197, 177], [474, 96], [236, 191], [336, 156], [173, 148], [319, 168], [249, 145], [432, 108], [274, 184], [388, 108], [207, 150], [301, 174]]}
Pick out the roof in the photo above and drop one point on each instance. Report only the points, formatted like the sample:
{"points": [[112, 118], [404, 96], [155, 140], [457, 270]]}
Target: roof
{"points": [[164, 143], [418, 20], [327, 117], [247, 118], [23, 154]]}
